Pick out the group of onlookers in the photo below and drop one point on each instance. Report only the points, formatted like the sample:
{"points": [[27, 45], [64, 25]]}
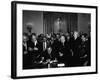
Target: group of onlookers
{"points": [[72, 49]]}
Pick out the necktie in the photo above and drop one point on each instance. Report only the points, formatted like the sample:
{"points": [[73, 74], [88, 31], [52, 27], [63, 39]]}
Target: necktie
{"points": [[44, 46]]}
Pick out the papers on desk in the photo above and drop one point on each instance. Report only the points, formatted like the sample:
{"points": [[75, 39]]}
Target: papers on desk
{"points": [[61, 65]]}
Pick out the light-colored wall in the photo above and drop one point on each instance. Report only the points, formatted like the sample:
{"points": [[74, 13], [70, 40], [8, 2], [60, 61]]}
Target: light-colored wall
{"points": [[83, 23], [34, 18]]}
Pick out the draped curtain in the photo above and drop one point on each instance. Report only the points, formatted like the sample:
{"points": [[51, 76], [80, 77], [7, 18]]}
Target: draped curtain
{"points": [[67, 22]]}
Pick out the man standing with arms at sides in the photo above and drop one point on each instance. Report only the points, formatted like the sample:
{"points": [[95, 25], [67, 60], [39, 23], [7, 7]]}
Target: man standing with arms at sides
{"points": [[75, 43]]}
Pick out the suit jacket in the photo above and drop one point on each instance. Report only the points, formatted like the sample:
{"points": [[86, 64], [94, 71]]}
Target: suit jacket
{"points": [[47, 56], [65, 50], [26, 56], [55, 46], [32, 45], [75, 45]]}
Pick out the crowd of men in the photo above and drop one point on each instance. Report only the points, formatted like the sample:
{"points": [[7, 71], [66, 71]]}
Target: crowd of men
{"points": [[72, 49]]}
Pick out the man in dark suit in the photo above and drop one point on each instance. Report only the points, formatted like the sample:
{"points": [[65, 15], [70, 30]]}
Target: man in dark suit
{"points": [[64, 51], [84, 51], [34, 48], [49, 57], [26, 58], [55, 45], [75, 43], [44, 44]]}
